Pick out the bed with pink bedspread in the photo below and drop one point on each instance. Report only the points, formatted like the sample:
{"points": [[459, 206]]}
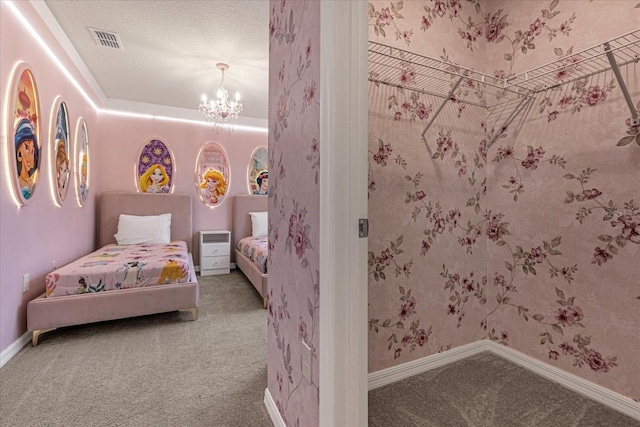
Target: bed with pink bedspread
{"points": [[255, 272], [117, 282], [115, 267], [256, 249]]}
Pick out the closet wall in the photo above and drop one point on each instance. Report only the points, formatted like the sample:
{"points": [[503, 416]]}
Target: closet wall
{"points": [[542, 255]]}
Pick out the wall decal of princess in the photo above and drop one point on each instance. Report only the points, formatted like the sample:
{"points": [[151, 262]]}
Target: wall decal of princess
{"points": [[25, 144], [213, 186], [258, 166], [154, 180], [62, 170], [262, 183], [84, 187], [27, 157], [154, 169], [212, 174], [82, 144], [61, 157]]}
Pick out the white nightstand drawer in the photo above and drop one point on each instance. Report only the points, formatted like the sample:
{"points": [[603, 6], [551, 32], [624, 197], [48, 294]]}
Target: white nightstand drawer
{"points": [[215, 249], [215, 252], [214, 262]]}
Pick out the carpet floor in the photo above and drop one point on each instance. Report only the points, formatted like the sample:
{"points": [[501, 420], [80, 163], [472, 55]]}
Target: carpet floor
{"points": [[164, 370], [486, 391], [158, 370]]}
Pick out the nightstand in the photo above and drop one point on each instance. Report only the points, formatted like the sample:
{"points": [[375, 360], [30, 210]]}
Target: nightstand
{"points": [[215, 250]]}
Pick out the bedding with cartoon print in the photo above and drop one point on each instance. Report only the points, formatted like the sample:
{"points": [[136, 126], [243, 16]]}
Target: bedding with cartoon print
{"points": [[115, 267], [256, 249]]}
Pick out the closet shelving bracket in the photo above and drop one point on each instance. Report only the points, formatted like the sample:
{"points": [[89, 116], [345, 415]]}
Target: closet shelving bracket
{"points": [[451, 92], [623, 87]]}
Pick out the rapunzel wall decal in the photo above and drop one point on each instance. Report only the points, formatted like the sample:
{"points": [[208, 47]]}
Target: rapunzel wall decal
{"points": [[212, 174], [82, 159], [25, 143], [155, 167], [60, 151], [258, 174]]}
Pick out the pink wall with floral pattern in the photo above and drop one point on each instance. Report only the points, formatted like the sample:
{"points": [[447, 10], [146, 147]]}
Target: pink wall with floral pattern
{"points": [[294, 206], [532, 243]]}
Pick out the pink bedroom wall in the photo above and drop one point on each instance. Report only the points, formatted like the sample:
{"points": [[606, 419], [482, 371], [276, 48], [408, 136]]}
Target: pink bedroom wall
{"points": [[122, 138], [557, 177], [33, 236]]}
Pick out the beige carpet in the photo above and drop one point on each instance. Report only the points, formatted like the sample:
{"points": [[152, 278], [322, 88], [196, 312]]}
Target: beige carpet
{"points": [[165, 370], [486, 391], [160, 370]]}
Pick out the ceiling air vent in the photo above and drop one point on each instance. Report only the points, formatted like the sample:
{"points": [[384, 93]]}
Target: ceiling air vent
{"points": [[106, 39]]}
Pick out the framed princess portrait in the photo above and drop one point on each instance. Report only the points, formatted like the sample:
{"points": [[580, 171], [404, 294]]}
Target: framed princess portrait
{"points": [[258, 174], [212, 174], [82, 159], [25, 142], [60, 151], [154, 168]]}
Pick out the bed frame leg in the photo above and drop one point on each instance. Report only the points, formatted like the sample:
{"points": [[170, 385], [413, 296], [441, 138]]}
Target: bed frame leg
{"points": [[37, 333], [193, 311], [264, 302]]}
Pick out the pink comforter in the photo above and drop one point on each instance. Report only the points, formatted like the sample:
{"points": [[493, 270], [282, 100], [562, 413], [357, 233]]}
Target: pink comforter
{"points": [[121, 267], [256, 249]]}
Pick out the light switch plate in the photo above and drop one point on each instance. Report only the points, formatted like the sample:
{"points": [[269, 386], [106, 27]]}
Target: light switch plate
{"points": [[25, 283]]}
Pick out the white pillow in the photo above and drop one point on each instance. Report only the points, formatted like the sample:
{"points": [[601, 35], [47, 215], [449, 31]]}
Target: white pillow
{"points": [[259, 224], [138, 230]]}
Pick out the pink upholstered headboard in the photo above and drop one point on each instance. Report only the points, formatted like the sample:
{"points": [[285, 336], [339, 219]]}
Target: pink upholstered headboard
{"points": [[112, 204], [242, 205]]}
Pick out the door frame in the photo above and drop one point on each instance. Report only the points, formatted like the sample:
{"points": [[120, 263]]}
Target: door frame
{"points": [[343, 201]]}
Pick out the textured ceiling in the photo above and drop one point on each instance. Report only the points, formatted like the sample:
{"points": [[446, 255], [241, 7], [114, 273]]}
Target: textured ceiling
{"points": [[171, 49]]}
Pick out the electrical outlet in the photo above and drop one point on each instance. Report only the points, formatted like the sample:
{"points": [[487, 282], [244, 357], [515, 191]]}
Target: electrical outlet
{"points": [[306, 362], [25, 283], [53, 265]]}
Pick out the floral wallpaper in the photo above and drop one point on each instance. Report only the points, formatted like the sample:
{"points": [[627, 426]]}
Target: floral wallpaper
{"points": [[531, 241], [294, 208]]}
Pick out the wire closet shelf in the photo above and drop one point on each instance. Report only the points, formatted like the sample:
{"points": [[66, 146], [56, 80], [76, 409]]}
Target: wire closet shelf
{"points": [[407, 70], [575, 66]]}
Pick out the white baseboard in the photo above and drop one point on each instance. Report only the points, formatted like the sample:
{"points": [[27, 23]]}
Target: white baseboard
{"points": [[406, 370], [592, 391], [14, 348], [272, 409]]}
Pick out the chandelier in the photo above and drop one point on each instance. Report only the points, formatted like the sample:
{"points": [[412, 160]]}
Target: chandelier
{"points": [[221, 110]]}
